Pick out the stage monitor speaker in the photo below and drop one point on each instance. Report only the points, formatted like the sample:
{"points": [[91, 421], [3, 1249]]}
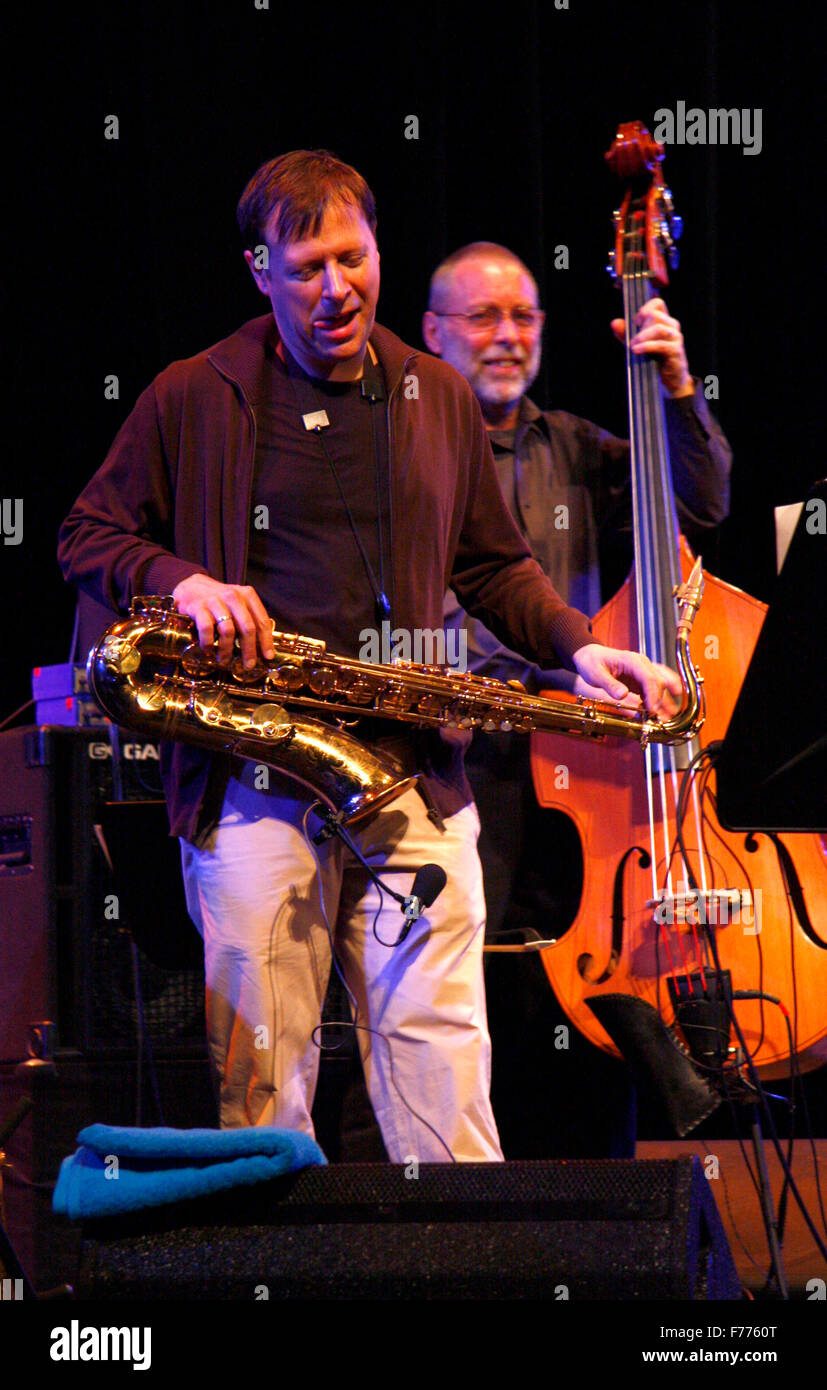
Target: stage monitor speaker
{"points": [[67, 1095], [65, 953], [585, 1230]]}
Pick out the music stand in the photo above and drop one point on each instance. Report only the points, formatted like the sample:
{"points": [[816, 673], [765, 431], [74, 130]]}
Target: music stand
{"points": [[772, 765]]}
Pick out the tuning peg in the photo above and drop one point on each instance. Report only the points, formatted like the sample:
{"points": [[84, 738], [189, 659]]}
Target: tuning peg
{"points": [[610, 268], [675, 219]]}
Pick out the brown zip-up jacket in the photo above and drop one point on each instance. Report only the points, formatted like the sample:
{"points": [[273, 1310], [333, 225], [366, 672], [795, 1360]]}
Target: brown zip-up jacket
{"points": [[174, 494]]}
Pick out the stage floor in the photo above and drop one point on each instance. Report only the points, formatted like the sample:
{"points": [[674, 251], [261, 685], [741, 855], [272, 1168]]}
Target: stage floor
{"points": [[740, 1211]]}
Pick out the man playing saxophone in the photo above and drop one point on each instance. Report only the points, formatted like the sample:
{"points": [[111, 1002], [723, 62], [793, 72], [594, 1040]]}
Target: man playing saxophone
{"points": [[313, 470]]}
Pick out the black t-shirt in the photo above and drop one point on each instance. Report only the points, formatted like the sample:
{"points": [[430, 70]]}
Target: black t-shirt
{"points": [[319, 528], [305, 562]]}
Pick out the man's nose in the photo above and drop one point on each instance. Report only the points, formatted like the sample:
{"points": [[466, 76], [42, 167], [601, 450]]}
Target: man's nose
{"points": [[506, 330], [335, 285]]}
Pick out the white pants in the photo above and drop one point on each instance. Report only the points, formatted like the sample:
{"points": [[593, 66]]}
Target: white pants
{"points": [[257, 897]]}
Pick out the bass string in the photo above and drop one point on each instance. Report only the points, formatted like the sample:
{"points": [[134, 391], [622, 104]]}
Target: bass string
{"points": [[657, 569], [668, 576], [640, 537]]}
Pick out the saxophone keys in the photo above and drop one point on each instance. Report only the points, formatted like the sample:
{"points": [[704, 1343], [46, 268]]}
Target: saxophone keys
{"points": [[321, 680], [360, 691], [124, 658], [195, 661], [251, 675], [272, 721], [288, 675], [395, 702], [153, 698], [429, 706]]}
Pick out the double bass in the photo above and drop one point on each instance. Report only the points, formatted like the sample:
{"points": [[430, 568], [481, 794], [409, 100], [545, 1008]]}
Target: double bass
{"points": [[675, 910]]}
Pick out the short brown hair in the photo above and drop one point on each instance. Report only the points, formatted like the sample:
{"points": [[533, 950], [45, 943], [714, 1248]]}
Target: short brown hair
{"points": [[300, 187]]}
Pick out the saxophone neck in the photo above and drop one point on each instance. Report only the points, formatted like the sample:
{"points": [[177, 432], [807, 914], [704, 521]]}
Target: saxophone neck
{"points": [[689, 719], [688, 598]]}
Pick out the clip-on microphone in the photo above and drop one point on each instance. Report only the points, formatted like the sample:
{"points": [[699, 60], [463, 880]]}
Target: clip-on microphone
{"points": [[428, 883], [372, 384]]}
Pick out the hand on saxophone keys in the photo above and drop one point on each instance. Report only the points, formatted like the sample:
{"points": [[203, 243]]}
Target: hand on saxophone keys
{"points": [[224, 612], [551, 683], [618, 674], [147, 672]]}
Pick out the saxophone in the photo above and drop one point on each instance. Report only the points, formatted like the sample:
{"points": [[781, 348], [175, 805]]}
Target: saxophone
{"points": [[148, 672]]}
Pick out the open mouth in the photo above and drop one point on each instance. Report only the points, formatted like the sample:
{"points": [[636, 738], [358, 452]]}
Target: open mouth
{"points": [[336, 323]]}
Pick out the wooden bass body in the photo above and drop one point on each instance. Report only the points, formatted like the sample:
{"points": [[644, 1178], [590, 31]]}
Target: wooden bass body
{"points": [[776, 942]]}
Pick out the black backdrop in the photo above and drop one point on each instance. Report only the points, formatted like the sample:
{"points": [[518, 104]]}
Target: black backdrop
{"points": [[123, 254]]}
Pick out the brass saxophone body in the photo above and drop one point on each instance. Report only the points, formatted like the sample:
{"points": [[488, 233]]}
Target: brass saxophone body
{"points": [[148, 672]]}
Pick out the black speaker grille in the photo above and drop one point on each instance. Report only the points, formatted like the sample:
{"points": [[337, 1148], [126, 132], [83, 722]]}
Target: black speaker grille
{"points": [[173, 1000], [66, 959], [601, 1230]]}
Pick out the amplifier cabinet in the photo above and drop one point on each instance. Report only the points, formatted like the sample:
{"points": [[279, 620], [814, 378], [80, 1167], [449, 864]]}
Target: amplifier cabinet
{"points": [[66, 952], [66, 1096]]}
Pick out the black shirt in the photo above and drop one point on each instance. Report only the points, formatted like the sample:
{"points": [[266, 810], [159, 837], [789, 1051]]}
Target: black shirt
{"points": [[318, 554]]}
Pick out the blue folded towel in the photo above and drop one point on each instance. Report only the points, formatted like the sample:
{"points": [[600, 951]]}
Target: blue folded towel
{"points": [[155, 1166]]}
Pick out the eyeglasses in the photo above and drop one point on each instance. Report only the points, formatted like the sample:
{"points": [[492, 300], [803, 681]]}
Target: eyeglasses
{"points": [[483, 320]]}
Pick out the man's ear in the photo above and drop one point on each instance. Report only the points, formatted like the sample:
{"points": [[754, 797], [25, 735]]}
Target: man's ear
{"points": [[259, 268], [431, 335]]}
